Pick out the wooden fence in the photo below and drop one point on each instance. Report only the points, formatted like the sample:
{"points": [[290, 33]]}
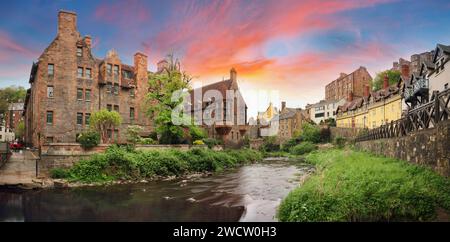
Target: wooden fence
{"points": [[423, 117]]}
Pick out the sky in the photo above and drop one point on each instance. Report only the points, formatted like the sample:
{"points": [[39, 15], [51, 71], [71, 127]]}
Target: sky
{"points": [[289, 48]]}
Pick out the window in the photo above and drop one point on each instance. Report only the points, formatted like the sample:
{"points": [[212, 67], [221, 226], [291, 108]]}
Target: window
{"points": [[116, 108], [50, 69], [79, 94], [79, 51], [109, 69], [132, 92], [88, 73], [109, 107], [116, 71], [116, 88], [49, 117], [87, 117], [80, 118], [108, 87], [88, 95], [50, 91], [116, 135], [131, 113], [127, 74], [49, 139], [109, 133], [80, 72]]}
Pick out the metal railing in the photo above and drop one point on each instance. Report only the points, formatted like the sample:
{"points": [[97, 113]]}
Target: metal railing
{"points": [[424, 117]]}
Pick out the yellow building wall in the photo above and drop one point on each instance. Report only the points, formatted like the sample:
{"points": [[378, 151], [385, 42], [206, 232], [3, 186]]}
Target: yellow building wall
{"points": [[373, 116]]}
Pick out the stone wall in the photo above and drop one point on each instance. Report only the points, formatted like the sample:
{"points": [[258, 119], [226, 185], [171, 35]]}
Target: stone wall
{"points": [[256, 143], [348, 133], [430, 147]]}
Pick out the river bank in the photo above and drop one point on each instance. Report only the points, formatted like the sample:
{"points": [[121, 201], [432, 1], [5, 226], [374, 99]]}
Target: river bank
{"points": [[251, 192], [356, 186]]}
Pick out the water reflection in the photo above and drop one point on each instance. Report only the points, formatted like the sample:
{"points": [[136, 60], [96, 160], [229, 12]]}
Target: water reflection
{"points": [[250, 193]]}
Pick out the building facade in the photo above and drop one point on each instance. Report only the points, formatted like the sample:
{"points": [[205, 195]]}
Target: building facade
{"points": [[68, 84], [373, 109], [6, 134], [323, 110], [14, 115], [290, 120], [346, 83], [432, 76], [225, 119]]}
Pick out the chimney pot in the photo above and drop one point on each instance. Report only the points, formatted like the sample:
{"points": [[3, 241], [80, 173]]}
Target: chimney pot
{"points": [[350, 96], [386, 81], [283, 105], [88, 41], [233, 74], [67, 23], [366, 90]]}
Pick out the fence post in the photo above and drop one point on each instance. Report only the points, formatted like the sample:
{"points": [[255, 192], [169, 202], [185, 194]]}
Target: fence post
{"points": [[437, 113]]}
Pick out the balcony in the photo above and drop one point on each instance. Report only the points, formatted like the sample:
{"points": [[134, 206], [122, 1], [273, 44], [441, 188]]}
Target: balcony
{"points": [[418, 89]]}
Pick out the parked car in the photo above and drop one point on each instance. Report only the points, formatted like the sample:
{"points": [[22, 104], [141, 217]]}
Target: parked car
{"points": [[16, 146]]}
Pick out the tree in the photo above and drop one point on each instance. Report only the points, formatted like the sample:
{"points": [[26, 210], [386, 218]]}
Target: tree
{"points": [[9, 95], [164, 84], [393, 77], [104, 120], [133, 133], [19, 131]]}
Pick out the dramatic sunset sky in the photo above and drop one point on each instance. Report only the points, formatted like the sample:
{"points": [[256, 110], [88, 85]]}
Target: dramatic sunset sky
{"points": [[293, 46]]}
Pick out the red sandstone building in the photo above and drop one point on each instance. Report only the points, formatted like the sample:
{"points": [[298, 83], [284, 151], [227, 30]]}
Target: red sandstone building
{"points": [[68, 84], [346, 83], [14, 115]]}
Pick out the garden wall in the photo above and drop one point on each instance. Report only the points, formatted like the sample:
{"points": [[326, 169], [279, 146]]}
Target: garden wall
{"points": [[429, 147]]}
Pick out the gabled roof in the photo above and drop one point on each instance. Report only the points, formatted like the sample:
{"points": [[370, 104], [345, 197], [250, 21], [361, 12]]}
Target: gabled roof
{"points": [[440, 47]]}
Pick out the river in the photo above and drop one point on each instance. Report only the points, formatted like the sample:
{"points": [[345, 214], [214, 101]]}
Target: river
{"points": [[249, 193]]}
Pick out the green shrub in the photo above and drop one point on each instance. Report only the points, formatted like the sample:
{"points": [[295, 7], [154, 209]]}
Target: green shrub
{"points": [[125, 163], [210, 142], [289, 144], [303, 148], [356, 186], [340, 142], [198, 142], [58, 173], [147, 141], [197, 133], [133, 133], [270, 144], [88, 139], [310, 133]]}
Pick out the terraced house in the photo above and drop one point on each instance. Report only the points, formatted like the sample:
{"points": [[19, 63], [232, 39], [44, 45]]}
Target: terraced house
{"points": [[373, 109], [68, 84]]}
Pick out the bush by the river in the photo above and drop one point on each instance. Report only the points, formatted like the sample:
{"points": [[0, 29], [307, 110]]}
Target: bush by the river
{"points": [[303, 148], [88, 139], [125, 163], [357, 186]]}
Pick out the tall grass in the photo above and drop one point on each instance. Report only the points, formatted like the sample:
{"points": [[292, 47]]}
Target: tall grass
{"points": [[357, 186], [124, 163]]}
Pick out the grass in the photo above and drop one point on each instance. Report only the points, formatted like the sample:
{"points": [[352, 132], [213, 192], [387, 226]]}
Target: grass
{"points": [[356, 186], [123, 163]]}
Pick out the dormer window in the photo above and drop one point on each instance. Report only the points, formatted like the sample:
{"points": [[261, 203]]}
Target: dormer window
{"points": [[79, 51], [109, 69]]}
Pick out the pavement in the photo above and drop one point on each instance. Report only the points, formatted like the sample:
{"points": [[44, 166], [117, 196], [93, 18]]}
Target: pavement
{"points": [[19, 170]]}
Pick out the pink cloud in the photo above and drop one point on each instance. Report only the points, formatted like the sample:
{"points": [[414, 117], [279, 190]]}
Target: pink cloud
{"points": [[11, 48], [125, 13]]}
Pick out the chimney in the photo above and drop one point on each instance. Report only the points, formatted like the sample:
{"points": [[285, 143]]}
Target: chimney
{"points": [[386, 81], [67, 23], [366, 90], [233, 74], [140, 67], [350, 96], [405, 71], [88, 41], [283, 105]]}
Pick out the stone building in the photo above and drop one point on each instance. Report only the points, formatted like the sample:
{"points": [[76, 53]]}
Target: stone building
{"points": [[407, 68], [6, 134], [14, 115], [222, 118], [290, 120], [346, 83], [373, 109], [68, 84]]}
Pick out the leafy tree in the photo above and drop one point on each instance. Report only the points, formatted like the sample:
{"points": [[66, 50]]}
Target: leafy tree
{"points": [[310, 133], [9, 95], [164, 84], [393, 77], [20, 131], [133, 133], [103, 120], [88, 139]]}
